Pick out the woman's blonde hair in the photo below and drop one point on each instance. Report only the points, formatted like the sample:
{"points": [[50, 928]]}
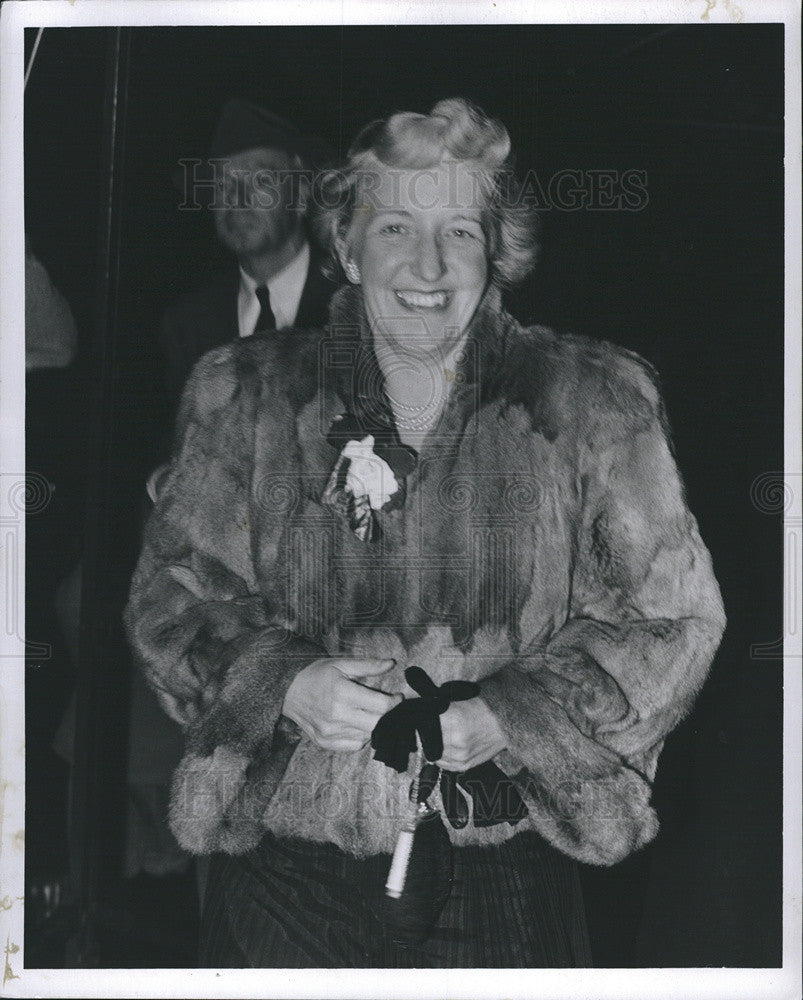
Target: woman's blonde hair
{"points": [[454, 129]]}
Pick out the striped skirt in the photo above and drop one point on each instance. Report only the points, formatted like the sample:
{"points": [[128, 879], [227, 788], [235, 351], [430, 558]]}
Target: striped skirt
{"points": [[294, 904]]}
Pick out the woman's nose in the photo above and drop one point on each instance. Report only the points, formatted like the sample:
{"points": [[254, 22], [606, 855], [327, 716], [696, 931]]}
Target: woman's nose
{"points": [[428, 263]]}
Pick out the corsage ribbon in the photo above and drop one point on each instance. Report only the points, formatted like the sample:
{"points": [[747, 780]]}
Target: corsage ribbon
{"points": [[494, 796]]}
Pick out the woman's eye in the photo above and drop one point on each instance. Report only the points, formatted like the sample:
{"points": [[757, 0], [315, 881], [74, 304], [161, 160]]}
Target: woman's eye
{"points": [[392, 229], [465, 234]]}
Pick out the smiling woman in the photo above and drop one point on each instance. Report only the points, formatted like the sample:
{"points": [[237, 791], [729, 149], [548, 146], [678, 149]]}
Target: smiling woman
{"points": [[426, 216], [423, 562], [423, 266]]}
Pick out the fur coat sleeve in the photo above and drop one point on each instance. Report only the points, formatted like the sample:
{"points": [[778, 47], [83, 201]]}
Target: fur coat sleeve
{"points": [[586, 710], [218, 655]]}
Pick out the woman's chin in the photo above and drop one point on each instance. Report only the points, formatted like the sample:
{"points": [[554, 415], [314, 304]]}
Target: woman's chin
{"points": [[421, 335]]}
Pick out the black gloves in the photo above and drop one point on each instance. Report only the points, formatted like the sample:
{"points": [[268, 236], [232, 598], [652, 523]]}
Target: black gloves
{"points": [[494, 796], [394, 736]]}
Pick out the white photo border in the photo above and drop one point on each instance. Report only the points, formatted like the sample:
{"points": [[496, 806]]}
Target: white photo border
{"points": [[752, 984]]}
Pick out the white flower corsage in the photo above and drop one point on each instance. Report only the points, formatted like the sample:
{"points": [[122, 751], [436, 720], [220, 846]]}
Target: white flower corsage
{"points": [[364, 481], [368, 474]]}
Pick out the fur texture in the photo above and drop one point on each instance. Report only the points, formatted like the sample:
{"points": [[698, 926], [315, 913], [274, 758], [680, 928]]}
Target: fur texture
{"points": [[545, 549]]}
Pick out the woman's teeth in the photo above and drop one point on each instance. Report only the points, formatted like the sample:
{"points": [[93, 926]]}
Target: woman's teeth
{"points": [[423, 300]]}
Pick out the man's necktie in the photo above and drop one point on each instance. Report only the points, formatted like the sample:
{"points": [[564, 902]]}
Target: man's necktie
{"points": [[266, 320]]}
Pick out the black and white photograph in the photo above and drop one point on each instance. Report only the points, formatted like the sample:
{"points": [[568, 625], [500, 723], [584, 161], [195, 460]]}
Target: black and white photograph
{"points": [[401, 500]]}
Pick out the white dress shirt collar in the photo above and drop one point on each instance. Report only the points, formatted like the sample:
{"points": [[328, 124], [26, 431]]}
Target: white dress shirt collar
{"points": [[285, 294]]}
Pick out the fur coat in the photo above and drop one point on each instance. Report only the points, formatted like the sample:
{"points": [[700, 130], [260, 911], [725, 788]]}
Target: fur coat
{"points": [[544, 549]]}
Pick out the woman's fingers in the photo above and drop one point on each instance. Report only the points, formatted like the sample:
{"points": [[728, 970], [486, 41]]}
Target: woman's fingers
{"points": [[331, 708], [361, 668], [361, 708], [375, 703], [338, 737], [363, 699], [365, 721]]}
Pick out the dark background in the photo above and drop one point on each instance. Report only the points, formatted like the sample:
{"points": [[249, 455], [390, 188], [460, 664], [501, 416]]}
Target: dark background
{"points": [[693, 282]]}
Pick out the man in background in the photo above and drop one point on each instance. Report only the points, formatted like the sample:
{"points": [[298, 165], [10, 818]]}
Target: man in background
{"points": [[263, 167]]}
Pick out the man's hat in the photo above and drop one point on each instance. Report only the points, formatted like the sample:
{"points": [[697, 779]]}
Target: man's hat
{"points": [[243, 125]]}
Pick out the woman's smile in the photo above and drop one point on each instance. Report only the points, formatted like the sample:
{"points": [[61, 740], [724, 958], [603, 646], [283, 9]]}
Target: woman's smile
{"points": [[412, 299]]}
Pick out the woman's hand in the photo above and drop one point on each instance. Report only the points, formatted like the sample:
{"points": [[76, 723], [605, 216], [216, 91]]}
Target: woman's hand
{"points": [[471, 735], [331, 708]]}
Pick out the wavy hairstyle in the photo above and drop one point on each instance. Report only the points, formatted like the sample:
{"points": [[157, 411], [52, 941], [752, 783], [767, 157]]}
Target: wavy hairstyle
{"points": [[454, 130]]}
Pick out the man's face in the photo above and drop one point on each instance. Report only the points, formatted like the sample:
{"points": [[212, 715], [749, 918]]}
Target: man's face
{"points": [[257, 206]]}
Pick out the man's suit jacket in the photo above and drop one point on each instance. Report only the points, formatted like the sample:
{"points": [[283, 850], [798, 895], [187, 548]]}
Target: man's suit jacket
{"points": [[207, 317]]}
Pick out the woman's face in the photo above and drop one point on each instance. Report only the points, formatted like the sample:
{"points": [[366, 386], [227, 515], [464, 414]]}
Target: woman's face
{"points": [[422, 253]]}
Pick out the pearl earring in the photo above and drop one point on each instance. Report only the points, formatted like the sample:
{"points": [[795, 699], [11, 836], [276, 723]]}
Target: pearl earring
{"points": [[353, 272]]}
